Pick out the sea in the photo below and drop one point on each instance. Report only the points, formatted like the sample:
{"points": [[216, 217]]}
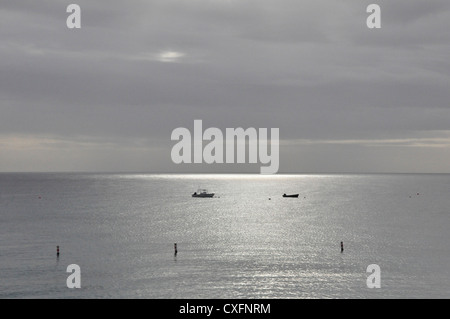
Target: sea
{"points": [[246, 242]]}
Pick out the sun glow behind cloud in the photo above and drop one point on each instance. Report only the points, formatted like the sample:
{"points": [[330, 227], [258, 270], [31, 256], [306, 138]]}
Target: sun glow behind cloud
{"points": [[170, 56]]}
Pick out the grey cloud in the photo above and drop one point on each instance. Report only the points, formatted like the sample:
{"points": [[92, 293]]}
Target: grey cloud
{"points": [[311, 68]]}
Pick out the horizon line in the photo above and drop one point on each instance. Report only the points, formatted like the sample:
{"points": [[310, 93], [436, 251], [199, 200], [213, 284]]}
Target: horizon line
{"points": [[220, 173]]}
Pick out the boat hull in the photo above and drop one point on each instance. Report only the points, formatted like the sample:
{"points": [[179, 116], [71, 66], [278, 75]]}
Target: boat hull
{"points": [[203, 195]]}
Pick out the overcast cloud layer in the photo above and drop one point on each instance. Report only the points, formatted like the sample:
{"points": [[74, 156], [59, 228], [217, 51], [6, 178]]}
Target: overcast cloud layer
{"points": [[106, 97]]}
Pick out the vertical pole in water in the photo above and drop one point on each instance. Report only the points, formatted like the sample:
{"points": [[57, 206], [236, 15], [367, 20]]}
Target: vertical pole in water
{"points": [[342, 246], [175, 248], [57, 251]]}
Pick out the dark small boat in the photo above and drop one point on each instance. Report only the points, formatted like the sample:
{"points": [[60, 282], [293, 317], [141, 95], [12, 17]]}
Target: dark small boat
{"points": [[202, 193], [293, 195]]}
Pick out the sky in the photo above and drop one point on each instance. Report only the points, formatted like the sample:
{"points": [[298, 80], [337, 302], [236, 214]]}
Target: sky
{"points": [[106, 97]]}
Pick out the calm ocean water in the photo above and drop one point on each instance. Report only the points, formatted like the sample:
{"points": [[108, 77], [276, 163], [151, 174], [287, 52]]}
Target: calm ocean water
{"points": [[120, 230]]}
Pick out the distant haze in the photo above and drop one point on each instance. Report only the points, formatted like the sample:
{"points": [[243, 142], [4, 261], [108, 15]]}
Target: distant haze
{"points": [[106, 97]]}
